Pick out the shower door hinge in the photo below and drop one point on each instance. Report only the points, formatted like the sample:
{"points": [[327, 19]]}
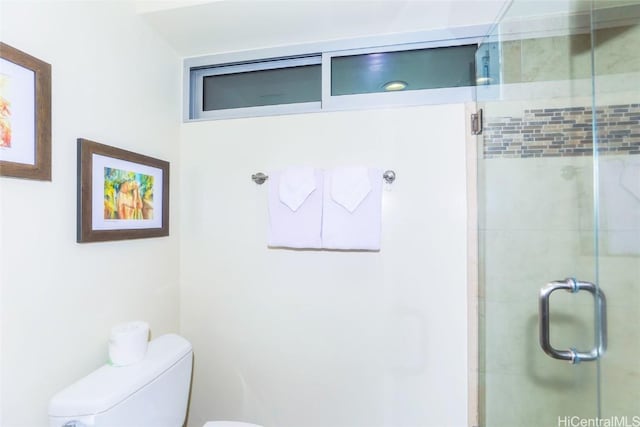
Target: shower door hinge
{"points": [[476, 123]]}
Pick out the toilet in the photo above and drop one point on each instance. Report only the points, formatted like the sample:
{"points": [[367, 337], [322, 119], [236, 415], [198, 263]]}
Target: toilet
{"points": [[151, 393]]}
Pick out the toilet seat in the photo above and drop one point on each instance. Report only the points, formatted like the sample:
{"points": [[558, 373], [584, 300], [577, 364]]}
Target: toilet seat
{"points": [[229, 424]]}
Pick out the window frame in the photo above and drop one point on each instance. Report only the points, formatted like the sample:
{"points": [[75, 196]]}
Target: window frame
{"points": [[197, 76], [448, 95], [271, 58]]}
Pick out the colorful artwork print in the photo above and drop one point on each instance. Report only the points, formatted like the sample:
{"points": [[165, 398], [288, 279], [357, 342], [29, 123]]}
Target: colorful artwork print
{"points": [[19, 126], [127, 195], [5, 113]]}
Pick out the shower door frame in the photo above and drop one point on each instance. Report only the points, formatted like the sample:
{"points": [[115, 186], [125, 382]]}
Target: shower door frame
{"points": [[596, 379]]}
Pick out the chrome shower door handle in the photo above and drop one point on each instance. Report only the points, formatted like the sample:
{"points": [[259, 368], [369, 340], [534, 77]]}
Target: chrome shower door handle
{"points": [[573, 355]]}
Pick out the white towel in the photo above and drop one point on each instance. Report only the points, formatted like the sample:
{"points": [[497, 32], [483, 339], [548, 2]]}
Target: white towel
{"points": [[630, 178], [299, 227], [349, 186], [296, 184], [360, 228], [620, 194]]}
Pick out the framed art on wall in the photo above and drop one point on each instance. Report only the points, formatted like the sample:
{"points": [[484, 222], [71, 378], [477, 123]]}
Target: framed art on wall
{"points": [[121, 194], [25, 115]]}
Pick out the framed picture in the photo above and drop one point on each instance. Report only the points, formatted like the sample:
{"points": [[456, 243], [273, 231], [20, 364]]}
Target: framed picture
{"points": [[25, 115], [121, 194]]}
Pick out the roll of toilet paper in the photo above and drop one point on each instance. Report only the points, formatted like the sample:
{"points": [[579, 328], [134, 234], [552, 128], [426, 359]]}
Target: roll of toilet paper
{"points": [[128, 343]]}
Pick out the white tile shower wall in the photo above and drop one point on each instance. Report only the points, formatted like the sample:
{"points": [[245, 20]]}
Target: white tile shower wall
{"points": [[116, 82], [319, 338]]}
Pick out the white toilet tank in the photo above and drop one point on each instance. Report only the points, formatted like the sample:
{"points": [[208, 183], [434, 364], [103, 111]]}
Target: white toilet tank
{"points": [[151, 393]]}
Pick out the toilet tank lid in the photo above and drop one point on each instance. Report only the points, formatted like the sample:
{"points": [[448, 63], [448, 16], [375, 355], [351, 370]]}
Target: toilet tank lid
{"points": [[108, 385]]}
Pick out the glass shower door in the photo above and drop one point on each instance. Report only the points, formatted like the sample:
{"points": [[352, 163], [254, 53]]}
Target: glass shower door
{"points": [[616, 86], [550, 74]]}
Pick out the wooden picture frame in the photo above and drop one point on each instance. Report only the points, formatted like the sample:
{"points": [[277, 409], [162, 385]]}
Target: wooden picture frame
{"points": [[117, 194], [25, 115]]}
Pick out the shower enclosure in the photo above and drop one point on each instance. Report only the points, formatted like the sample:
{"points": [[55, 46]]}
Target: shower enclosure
{"points": [[559, 215]]}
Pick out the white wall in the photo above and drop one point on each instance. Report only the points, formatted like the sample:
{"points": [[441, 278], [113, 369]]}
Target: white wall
{"points": [[283, 338], [317, 338], [116, 82]]}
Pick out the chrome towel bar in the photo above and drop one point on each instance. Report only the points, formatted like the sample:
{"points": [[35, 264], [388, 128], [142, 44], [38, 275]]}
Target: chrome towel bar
{"points": [[259, 178]]}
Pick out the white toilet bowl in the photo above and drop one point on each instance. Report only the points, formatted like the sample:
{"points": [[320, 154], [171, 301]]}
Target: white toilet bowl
{"points": [[229, 424]]}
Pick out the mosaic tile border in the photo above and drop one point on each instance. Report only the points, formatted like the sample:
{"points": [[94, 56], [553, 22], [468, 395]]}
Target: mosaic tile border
{"points": [[563, 132]]}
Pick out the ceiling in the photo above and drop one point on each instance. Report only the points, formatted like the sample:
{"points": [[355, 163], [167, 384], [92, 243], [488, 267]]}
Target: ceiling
{"points": [[196, 28]]}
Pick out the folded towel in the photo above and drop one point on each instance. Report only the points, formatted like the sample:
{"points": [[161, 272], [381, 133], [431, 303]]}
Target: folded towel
{"points": [[349, 186], [352, 209], [630, 178], [296, 184], [297, 222], [620, 197]]}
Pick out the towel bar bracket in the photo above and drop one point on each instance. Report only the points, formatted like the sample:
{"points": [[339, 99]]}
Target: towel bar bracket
{"points": [[389, 176], [260, 178]]}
